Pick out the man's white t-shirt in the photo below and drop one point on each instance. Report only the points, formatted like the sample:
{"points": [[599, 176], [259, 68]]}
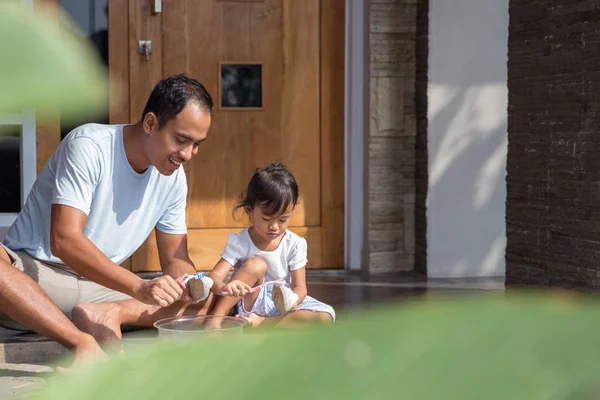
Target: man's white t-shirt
{"points": [[90, 172], [290, 255]]}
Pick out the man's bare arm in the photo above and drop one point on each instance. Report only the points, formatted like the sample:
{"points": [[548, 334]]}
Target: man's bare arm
{"points": [[68, 243], [173, 253]]}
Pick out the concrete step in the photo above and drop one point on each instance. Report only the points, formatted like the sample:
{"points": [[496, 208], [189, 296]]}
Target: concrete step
{"points": [[31, 348], [42, 352], [19, 381]]}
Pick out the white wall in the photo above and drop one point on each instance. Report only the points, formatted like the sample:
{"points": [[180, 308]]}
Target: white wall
{"points": [[467, 135], [356, 106]]}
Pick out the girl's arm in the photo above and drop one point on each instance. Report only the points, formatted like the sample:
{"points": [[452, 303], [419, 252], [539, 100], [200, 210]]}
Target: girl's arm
{"points": [[218, 275], [299, 284]]}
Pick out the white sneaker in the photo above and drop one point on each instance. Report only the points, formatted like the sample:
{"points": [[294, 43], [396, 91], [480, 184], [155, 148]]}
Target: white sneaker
{"points": [[283, 297], [200, 286]]}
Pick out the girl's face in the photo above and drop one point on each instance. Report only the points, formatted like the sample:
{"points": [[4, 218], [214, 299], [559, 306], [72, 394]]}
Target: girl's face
{"points": [[270, 227]]}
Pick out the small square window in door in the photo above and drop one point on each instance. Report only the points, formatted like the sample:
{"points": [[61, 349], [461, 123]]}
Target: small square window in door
{"points": [[240, 86]]}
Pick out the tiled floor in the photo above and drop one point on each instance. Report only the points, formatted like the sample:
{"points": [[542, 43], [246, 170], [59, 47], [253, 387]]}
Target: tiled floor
{"points": [[351, 292], [344, 292]]}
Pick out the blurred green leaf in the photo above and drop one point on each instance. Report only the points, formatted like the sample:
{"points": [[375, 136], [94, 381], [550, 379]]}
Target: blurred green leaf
{"points": [[531, 347], [44, 67]]}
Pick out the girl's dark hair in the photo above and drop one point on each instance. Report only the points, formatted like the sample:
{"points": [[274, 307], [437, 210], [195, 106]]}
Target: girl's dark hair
{"points": [[272, 187]]}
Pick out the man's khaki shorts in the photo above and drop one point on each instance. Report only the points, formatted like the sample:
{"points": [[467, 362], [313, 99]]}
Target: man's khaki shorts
{"points": [[65, 288]]}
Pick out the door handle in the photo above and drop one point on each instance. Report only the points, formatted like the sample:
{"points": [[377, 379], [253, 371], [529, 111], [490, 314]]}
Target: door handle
{"points": [[145, 48]]}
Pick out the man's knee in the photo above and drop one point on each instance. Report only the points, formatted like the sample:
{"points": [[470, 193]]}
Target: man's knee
{"points": [[205, 307], [4, 257]]}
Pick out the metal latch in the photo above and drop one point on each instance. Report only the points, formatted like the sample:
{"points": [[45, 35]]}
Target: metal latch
{"points": [[145, 48]]}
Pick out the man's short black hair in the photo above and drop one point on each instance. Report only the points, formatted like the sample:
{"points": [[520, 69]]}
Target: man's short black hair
{"points": [[172, 94]]}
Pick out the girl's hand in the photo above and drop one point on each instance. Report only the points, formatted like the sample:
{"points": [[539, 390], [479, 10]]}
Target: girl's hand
{"points": [[295, 306], [236, 289]]}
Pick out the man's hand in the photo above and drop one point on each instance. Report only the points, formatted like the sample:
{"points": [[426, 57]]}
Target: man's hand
{"points": [[186, 297], [162, 291]]}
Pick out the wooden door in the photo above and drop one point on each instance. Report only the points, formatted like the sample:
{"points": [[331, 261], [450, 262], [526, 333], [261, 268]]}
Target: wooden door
{"points": [[291, 51]]}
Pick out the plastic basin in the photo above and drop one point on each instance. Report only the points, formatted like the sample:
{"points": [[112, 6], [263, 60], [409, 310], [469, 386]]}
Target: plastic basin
{"points": [[202, 326]]}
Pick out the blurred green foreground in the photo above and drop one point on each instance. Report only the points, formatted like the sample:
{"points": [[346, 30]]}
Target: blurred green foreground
{"points": [[493, 347], [43, 67]]}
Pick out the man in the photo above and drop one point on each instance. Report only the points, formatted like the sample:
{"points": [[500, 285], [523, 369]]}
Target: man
{"points": [[95, 202]]}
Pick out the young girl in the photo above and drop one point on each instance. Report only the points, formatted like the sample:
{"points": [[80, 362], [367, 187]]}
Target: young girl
{"points": [[265, 252]]}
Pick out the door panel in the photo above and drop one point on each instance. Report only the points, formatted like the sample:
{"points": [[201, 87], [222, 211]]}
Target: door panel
{"points": [[143, 74], [213, 241], [287, 126], [332, 132], [299, 46], [299, 128]]}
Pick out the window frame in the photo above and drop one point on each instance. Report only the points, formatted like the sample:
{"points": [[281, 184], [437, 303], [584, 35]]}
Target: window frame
{"points": [[28, 157], [26, 120]]}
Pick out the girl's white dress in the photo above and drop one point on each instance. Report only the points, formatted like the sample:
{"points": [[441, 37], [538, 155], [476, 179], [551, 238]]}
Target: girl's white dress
{"points": [[290, 255]]}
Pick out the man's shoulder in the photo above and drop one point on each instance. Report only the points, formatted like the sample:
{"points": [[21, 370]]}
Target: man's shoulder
{"points": [[97, 133], [88, 143]]}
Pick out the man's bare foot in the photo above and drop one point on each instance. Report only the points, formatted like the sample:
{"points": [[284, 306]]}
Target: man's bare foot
{"points": [[254, 320], [87, 353], [102, 321]]}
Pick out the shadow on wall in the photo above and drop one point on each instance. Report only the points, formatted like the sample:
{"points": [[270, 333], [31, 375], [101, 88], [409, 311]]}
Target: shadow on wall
{"points": [[467, 191], [466, 234]]}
